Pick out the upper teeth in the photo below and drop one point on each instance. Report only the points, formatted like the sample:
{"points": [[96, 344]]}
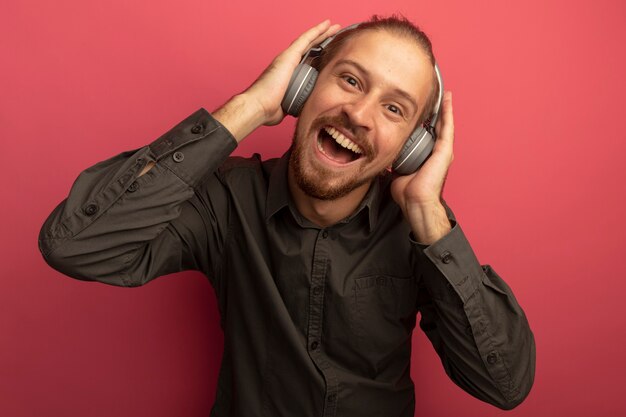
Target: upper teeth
{"points": [[342, 140]]}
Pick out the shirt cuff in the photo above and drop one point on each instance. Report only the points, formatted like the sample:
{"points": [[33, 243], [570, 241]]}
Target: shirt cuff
{"points": [[453, 256], [194, 148]]}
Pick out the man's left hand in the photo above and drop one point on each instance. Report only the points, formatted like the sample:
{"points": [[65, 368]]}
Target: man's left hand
{"points": [[419, 194]]}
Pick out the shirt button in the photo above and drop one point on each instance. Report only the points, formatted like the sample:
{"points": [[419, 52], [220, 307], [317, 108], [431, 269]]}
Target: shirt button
{"points": [[90, 209], [324, 234], [196, 129], [314, 345], [331, 397], [317, 290], [133, 187], [446, 257], [492, 358], [178, 156]]}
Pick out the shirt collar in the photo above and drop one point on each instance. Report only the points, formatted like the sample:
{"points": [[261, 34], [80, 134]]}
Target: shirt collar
{"points": [[279, 197]]}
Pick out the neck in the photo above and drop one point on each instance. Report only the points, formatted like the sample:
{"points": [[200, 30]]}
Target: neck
{"points": [[325, 213]]}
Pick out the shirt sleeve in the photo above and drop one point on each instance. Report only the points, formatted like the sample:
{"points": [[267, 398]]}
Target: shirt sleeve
{"points": [[122, 229], [474, 322]]}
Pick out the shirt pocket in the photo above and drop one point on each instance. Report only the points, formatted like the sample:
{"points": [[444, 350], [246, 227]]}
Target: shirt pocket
{"points": [[384, 318]]}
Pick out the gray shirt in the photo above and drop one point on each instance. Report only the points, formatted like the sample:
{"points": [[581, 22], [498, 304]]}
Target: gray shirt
{"points": [[317, 321]]}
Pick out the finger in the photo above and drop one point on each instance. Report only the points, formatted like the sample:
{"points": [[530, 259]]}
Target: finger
{"points": [[443, 152], [332, 30], [310, 36], [445, 124]]}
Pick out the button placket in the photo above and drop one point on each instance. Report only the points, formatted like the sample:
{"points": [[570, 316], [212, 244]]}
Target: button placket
{"points": [[319, 272], [316, 297]]}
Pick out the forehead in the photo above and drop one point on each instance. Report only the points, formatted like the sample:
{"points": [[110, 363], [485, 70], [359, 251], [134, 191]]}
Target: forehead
{"points": [[390, 58]]}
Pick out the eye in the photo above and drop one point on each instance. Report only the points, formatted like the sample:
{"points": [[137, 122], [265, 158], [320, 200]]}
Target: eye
{"points": [[351, 80], [394, 109]]}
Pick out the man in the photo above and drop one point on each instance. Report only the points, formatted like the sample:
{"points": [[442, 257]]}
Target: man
{"points": [[320, 259]]}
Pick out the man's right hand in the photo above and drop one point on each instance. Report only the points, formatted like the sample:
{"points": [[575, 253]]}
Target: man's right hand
{"points": [[260, 103]]}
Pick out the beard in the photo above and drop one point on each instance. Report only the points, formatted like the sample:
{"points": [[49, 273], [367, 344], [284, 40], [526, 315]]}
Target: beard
{"points": [[318, 181]]}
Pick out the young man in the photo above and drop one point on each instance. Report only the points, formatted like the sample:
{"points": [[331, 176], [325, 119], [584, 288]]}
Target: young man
{"points": [[320, 259]]}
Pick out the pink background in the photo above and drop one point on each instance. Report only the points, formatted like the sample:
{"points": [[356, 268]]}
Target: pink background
{"points": [[537, 184]]}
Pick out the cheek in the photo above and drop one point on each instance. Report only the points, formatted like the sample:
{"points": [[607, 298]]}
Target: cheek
{"points": [[393, 146], [325, 96], [309, 112]]}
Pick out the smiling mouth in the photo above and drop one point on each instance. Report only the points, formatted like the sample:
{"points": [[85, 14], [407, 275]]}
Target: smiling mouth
{"points": [[336, 146]]}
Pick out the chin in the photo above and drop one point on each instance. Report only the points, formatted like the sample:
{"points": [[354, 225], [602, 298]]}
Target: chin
{"points": [[328, 160], [319, 182]]}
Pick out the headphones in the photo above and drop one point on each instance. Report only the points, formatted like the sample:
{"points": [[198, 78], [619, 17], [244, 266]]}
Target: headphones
{"points": [[417, 147]]}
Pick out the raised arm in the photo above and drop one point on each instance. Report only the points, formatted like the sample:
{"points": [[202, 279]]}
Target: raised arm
{"points": [[136, 216], [468, 312]]}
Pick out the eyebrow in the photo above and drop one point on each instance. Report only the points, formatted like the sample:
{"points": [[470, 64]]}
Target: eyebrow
{"points": [[396, 90]]}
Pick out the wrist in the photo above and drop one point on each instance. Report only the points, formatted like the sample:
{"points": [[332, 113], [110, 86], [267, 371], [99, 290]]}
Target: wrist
{"points": [[241, 115], [429, 222]]}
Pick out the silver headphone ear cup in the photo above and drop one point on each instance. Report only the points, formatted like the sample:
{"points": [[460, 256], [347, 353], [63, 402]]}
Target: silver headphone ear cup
{"points": [[299, 88], [420, 144], [414, 153], [303, 78]]}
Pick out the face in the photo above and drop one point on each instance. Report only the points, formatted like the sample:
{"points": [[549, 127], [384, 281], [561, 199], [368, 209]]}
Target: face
{"points": [[365, 104]]}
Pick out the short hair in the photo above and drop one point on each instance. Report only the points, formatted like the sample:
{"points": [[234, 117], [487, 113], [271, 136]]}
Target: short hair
{"points": [[394, 24]]}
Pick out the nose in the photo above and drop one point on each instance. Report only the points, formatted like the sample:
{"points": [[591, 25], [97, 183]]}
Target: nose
{"points": [[360, 111]]}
